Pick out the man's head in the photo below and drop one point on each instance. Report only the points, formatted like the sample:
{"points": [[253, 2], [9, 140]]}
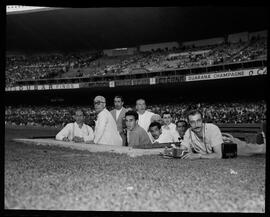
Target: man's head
{"points": [[155, 129], [131, 119], [99, 103], [79, 116], [195, 119], [140, 106], [118, 102], [181, 127], [167, 118]]}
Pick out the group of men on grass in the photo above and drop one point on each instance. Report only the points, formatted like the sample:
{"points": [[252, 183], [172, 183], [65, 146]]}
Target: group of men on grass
{"points": [[126, 127]]}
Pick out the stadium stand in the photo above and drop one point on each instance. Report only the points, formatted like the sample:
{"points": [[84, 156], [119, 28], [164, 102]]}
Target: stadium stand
{"points": [[34, 67]]}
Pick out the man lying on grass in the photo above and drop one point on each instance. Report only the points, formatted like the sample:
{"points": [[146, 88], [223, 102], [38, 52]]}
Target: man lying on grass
{"points": [[159, 135], [77, 131], [204, 140]]}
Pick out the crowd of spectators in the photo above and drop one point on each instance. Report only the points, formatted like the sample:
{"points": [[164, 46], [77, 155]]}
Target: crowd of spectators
{"points": [[91, 64], [256, 49], [195, 57], [32, 67], [58, 116]]}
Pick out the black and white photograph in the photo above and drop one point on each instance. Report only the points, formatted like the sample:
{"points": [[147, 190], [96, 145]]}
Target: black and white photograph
{"points": [[135, 109]]}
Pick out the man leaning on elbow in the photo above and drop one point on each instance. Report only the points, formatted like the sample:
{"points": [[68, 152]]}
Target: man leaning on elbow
{"points": [[203, 140]]}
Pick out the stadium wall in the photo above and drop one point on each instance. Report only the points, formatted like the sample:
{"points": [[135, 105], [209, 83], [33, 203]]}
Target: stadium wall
{"points": [[162, 46], [204, 42], [169, 91], [237, 37]]}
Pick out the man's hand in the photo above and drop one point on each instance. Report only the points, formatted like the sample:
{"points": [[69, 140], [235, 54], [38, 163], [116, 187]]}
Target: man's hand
{"points": [[66, 139], [191, 156], [78, 139]]}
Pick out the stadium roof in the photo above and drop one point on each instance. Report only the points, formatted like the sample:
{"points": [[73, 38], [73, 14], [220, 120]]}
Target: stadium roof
{"points": [[72, 29], [19, 9]]}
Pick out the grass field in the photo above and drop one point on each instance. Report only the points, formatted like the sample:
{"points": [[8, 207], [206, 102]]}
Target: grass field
{"points": [[55, 178]]}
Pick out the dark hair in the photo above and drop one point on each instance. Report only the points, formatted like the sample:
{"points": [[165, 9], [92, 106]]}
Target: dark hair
{"points": [[194, 112], [182, 121], [166, 113], [155, 124], [73, 112], [132, 113], [120, 97], [140, 99]]}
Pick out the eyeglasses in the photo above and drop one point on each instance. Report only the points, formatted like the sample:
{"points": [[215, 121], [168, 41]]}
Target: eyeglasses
{"points": [[98, 102]]}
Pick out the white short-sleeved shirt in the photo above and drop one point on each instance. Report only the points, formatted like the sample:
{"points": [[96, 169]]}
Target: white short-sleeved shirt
{"points": [[211, 138], [165, 137], [145, 120], [172, 130]]}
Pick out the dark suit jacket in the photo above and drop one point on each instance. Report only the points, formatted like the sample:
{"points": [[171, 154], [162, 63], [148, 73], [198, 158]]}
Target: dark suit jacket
{"points": [[120, 122]]}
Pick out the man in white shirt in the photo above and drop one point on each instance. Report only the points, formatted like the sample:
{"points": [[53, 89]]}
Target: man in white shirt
{"points": [[144, 116], [169, 126], [158, 135], [106, 128], [119, 116], [77, 131]]}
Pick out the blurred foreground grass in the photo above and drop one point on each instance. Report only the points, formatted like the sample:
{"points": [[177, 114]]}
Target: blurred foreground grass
{"points": [[43, 177]]}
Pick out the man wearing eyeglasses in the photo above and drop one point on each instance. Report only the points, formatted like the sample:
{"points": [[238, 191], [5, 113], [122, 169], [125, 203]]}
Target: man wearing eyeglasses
{"points": [[106, 128]]}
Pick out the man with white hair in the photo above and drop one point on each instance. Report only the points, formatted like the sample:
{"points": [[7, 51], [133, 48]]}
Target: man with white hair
{"points": [[144, 115], [106, 129]]}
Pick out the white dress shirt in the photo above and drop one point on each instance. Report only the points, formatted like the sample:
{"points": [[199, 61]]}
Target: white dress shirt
{"points": [[145, 120], [72, 129], [106, 129], [172, 130]]}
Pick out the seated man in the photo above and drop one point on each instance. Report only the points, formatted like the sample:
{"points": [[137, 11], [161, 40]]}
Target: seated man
{"points": [[158, 135], [204, 140], [77, 131], [136, 135]]}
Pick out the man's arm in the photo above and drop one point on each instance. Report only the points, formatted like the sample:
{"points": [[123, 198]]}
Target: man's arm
{"points": [[64, 133], [90, 136], [144, 138], [185, 144], [216, 155], [100, 127]]}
